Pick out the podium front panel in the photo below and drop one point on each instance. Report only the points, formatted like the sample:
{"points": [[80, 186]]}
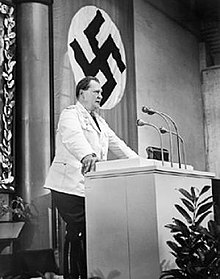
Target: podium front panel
{"points": [[126, 214], [122, 228]]}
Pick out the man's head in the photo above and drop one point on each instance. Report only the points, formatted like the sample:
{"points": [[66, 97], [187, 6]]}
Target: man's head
{"points": [[89, 93]]}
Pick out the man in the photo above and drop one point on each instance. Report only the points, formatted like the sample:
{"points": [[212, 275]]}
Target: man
{"points": [[83, 138]]}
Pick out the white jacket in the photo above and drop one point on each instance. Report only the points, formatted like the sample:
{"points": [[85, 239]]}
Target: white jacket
{"points": [[77, 136]]}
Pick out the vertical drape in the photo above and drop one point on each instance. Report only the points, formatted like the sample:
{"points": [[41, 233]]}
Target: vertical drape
{"points": [[123, 116]]}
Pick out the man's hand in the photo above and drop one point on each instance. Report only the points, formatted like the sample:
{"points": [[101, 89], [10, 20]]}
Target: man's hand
{"points": [[88, 163]]}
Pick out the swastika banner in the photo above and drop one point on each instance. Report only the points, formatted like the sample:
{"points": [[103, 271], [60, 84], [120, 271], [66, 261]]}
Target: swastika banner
{"points": [[95, 48], [97, 38]]}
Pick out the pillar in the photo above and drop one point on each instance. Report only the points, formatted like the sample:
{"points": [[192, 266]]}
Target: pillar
{"points": [[34, 110]]}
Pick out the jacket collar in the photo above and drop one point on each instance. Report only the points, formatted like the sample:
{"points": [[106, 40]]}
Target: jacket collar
{"points": [[81, 108], [87, 115]]}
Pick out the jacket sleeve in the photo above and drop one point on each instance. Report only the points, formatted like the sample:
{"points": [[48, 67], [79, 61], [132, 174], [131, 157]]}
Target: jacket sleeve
{"points": [[72, 135], [118, 146]]}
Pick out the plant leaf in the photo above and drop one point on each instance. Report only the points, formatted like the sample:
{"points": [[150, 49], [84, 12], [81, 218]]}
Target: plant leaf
{"points": [[186, 194], [179, 238], [184, 213], [179, 222], [210, 257], [205, 200], [174, 254], [203, 232], [173, 274], [183, 228], [198, 244], [202, 217], [204, 208], [173, 228], [192, 189], [173, 246], [204, 190], [188, 204]]}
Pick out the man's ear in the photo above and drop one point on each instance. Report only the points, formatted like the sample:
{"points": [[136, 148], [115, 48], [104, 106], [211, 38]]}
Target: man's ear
{"points": [[81, 94]]}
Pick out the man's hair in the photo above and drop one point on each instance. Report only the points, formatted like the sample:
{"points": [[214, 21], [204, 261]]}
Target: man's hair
{"points": [[83, 84]]}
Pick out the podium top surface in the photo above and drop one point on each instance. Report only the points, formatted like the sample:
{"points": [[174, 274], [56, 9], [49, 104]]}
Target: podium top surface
{"points": [[139, 164]]}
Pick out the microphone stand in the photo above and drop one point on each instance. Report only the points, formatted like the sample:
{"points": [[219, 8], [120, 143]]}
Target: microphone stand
{"points": [[177, 134], [140, 122], [164, 130], [151, 112]]}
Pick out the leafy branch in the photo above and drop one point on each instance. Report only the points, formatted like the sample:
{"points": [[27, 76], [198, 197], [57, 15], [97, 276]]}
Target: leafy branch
{"points": [[195, 247], [19, 210]]}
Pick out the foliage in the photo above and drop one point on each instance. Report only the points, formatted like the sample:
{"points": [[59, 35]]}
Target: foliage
{"points": [[196, 248], [7, 57], [20, 210]]}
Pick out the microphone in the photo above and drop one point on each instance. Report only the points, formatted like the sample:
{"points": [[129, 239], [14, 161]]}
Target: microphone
{"points": [[151, 112], [140, 122], [164, 131], [148, 110]]}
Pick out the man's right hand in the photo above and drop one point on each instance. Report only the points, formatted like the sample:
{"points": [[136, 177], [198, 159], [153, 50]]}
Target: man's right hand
{"points": [[88, 163]]}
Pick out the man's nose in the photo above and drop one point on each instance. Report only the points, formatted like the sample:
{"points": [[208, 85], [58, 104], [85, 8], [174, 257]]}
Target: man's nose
{"points": [[100, 95]]}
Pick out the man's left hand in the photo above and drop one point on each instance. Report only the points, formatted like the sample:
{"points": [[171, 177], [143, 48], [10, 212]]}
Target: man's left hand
{"points": [[88, 163]]}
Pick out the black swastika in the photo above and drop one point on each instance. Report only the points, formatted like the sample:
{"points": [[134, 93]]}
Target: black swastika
{"points": [[101, 55]]}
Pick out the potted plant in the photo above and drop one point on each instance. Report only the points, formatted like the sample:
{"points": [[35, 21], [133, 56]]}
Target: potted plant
{"points": [[18, 209], [196, 248], [15, 216]]}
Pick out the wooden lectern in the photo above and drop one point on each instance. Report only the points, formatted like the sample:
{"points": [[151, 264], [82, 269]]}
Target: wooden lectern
{"points": [[128, 203]]}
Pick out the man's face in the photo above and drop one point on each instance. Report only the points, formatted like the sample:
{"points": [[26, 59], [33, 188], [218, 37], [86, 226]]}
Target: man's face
{"points": [[92, 96]]}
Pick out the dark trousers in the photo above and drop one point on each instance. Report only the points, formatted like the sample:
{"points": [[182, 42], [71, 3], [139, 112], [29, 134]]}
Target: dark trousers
{"points": [[72, 210]]}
